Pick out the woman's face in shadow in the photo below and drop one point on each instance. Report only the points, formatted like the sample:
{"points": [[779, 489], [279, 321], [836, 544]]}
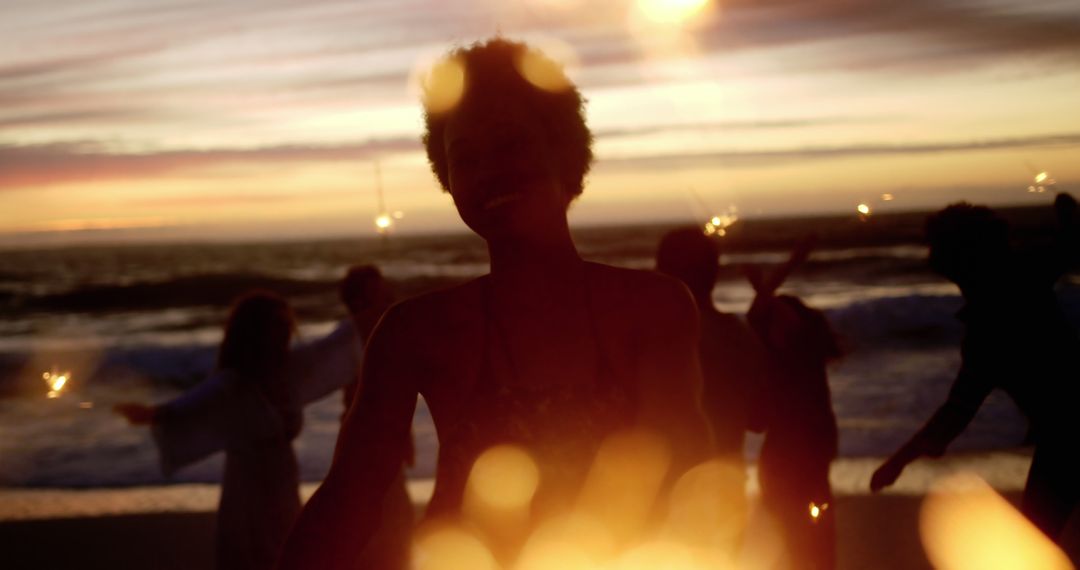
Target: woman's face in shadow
{"points": [[502, 176]]}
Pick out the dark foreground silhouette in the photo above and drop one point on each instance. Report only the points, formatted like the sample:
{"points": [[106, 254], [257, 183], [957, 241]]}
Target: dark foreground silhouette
{"points": [[796, 412], [1016, 340], [546, 352]]}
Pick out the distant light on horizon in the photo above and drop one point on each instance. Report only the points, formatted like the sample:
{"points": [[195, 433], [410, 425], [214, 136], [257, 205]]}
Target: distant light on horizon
{"points": [[383, 222], [863, 209], [887, 197]]}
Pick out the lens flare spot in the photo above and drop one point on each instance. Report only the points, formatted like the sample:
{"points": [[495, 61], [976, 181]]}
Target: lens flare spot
{"points": [[659, 555], [624, 481], [671, 11], [965, 524], [451, 548], [504, 477], [56, 382], [708, 505], [580, 540], [863, 209], [887, 197], [545, 72], [816, 511], [383, 222], [443, 85]]}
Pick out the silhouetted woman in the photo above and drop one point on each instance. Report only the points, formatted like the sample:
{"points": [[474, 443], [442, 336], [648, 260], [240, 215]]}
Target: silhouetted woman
{"points": [[248, 404], [547, 351], [800, 427]]}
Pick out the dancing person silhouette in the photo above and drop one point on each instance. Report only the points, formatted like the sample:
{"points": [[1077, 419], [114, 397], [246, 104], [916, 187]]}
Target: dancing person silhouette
{"points": [[796, 412], [547, 352], [249, 407], [1016, 339]]}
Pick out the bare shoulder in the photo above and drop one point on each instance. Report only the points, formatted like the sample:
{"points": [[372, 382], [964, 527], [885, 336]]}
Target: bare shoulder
{"points": [[434, 312]]}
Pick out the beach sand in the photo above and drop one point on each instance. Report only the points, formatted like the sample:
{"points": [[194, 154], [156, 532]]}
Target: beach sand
{"points": [[874, 532], [173, 527]]}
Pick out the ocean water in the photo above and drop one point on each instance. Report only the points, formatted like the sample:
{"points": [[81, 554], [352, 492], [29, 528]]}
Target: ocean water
{"points": [[142, 323]]}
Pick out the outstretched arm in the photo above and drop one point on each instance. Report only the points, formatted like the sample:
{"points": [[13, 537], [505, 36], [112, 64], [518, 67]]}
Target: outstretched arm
{"points": [[948, 421], [340, 518]]}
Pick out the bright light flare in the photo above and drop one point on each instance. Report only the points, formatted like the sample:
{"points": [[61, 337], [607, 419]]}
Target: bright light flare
{"points": [[965, 524], [671, 12], [863, 209], [442, 84], [504, 477], [624, 481], [383, 222], [659, 555], [572, 541], [499, 493], [451, 548], [547, 65], [718, 225], [815, 510], [1042, 182], [708, 506], [56, 382]]}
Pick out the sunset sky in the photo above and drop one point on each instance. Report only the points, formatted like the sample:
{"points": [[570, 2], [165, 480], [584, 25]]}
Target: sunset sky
{"points": [[221, 119]]}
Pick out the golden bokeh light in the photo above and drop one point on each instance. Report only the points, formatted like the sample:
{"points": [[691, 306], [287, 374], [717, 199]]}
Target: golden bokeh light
{"points": [[965, 524], [624, 481], [571, 541], [561, 555], [671, 12], [383, 223], [863, 209], [504, 477], [451, 548], [545, 66], [659, 555], [56, 382], [708, 506], [442, 85], [888, 197]]}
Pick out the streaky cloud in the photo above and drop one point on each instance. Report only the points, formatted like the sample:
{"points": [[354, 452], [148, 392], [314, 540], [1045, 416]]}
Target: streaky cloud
{"points": [[759, 158], [23, 166]]}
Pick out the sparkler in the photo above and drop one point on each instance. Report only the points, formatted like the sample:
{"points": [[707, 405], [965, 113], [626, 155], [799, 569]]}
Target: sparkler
{"points": [[1042, 182], [719, 224], [56, 382]]}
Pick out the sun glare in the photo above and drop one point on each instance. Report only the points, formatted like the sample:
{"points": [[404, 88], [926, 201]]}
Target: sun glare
{"points": [[671, 11]]}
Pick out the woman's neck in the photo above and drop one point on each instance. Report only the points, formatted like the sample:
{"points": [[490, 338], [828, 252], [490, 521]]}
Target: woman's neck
{"points": [[536, 262]]}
